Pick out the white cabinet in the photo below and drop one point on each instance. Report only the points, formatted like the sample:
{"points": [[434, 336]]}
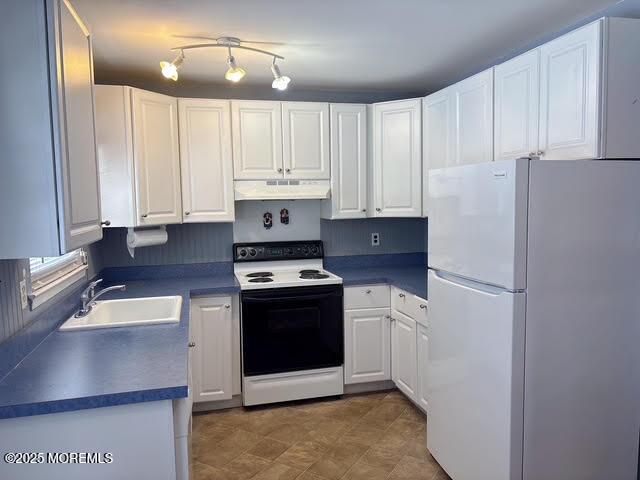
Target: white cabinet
{"points": [[404, 371], [257, 139], [49, 193], [367, 345], [397, 159], [348, 162], [211, 330], [137, 133], [473, 106], [423, 372], [205, 160], [305, 134], [517, 99], [569, 95], [438, 129]]}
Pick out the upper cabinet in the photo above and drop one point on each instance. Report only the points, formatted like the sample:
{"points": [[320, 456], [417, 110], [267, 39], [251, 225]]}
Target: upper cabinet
{"points": [[572, 98], [48, 148], [348, 162], [517, 94], [205, 160], [257, 139], [396, 159], [137, 134], [473, 107], [305, 136]]}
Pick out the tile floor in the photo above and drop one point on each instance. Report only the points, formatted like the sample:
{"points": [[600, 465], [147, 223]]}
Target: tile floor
{"points": [[356, 437]]}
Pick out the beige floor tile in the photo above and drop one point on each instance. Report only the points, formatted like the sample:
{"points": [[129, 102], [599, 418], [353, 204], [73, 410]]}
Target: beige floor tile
{"points": [[309, 476], [383, 457], [202, 471], [383, 414], [278, 471], [363, 434], [334, 463], [268, 448], [288, 433], [417, 448], [409, 468], [331, 427], [362, 471], [211, 432], [241, 440], [302, 454], [217, 455], [413, 414], [246, 466], [408, 429]]}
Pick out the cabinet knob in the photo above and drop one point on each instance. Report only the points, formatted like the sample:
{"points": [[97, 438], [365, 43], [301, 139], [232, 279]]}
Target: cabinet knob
{"points": [[364, 209], [106, 223], [192, 344], [401, 295], [367, 291], [187, 213], [279, 170], [378, 209], [423, 306], [539, 153], [227, 306], [144, 215], [387, 317], [288, 170]]}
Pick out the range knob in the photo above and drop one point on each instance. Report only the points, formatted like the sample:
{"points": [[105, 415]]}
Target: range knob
{"points": [[252, 252], [242, 252], [305, 250], [315, 250]]}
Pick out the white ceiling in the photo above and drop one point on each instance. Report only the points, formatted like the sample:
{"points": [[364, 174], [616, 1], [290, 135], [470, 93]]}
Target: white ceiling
{"points": [[402, 45]]}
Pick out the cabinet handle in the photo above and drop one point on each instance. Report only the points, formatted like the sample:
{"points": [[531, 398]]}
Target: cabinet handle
{"points": [[401, 295], [144, 215], [187, 213], [106, 223], [192, 344], [423, 306], [539, 153], [367, 291], [227, 306], [364, 209], [288, 170], [279, 170], [388, 317], [378, 210]]}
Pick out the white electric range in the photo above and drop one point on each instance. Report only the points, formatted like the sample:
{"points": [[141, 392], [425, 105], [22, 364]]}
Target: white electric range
{"points": [[292, 322]]}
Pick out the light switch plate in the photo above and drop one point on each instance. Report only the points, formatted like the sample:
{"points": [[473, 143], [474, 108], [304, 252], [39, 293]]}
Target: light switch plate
{"points": [[23, 294], [375, 239]]}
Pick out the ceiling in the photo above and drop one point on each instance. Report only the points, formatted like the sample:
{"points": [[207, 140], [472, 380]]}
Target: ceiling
{"points": [[369, 45]]}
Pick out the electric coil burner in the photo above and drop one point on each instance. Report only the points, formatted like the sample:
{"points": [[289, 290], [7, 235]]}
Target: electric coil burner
{"points": [[292, 322]]}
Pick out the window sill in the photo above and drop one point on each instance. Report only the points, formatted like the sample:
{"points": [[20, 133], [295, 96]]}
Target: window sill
{"points": [[46, 293]]}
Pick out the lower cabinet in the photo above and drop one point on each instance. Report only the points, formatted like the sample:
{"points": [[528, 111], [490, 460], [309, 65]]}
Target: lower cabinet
{"points": [[214, 333], [404, 361], [367, 345], [423, 355]]}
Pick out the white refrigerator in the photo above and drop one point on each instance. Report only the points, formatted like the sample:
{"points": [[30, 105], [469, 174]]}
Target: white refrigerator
{"points": [[534, 311]]}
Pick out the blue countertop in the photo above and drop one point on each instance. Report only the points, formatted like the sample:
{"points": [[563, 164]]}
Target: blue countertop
{"points": [[75, 370]]}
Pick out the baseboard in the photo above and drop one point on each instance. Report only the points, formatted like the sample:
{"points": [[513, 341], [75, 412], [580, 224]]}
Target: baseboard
{"points": [[369, 387], [235, 401]]}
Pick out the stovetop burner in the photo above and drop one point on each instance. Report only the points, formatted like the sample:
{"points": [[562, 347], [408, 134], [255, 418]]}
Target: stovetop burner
{"points": [[307, 272], [259, 274], [313, 276], [261, 280]]}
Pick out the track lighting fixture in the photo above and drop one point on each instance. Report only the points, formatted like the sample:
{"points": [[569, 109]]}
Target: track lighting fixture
{"points": [[170, 70], [234, 73], [280, 82]]}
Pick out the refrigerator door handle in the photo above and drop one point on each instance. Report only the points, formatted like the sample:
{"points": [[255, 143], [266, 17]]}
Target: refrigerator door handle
{"points": [[487, 288]]}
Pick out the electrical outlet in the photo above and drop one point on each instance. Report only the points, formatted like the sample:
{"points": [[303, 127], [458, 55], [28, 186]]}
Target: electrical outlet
{"points": [[375, 239], [23, 294]]}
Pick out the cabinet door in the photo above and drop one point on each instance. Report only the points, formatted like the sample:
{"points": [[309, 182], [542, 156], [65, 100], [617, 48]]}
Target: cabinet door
{"points": [[569, 95], [473, 140], [205, 160], [437, 137], [348, 162], [257, 140], [156, 158], [403, 352], [423, 356], [212, 332], [366, 345], [78, 183], [397, 159], [517, 100], [305, 134]]}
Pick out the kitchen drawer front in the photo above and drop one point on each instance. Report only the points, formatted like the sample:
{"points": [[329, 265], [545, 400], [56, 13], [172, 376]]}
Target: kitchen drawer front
{"points": [[368, 296], [409, 304]]}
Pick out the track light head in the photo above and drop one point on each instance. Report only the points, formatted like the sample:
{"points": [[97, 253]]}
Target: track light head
{"points": [[234, 73], [170, 70], [280, 82]]}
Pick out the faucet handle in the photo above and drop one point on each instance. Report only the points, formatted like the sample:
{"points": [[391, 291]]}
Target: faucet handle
{"points": [[91, 288]]}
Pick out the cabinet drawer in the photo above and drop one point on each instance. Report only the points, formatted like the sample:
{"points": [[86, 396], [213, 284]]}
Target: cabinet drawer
{"points": [[371, 296], [409, 304]]}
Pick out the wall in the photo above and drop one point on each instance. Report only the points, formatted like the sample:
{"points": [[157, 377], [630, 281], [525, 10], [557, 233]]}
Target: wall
{"points": [[353, 237], [304, 221]]}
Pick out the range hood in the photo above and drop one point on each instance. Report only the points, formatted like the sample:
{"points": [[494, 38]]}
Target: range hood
{"points": [[282, 189]]}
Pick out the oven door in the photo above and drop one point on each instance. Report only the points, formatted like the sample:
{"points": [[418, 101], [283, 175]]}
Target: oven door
{"points": [[291, 329]]}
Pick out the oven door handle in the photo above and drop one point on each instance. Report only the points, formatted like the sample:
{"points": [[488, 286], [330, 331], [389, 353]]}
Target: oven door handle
{"points": [[296, 297]]}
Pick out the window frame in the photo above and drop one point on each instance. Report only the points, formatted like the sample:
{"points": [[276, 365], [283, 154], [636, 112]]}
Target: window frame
{"points": [[55, 274]]}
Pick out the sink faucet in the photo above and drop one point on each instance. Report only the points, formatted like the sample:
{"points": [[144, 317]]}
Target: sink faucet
{"points": [[89, 296]]}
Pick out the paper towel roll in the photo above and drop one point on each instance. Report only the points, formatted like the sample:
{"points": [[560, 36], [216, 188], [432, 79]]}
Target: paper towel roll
{"points": [[145, 237]]}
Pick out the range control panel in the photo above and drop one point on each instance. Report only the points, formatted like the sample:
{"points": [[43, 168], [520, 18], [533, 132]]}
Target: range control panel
{"points": [[255, 252]]}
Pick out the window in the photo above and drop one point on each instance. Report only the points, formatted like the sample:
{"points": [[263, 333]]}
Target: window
{"points": [[51, 275]]}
